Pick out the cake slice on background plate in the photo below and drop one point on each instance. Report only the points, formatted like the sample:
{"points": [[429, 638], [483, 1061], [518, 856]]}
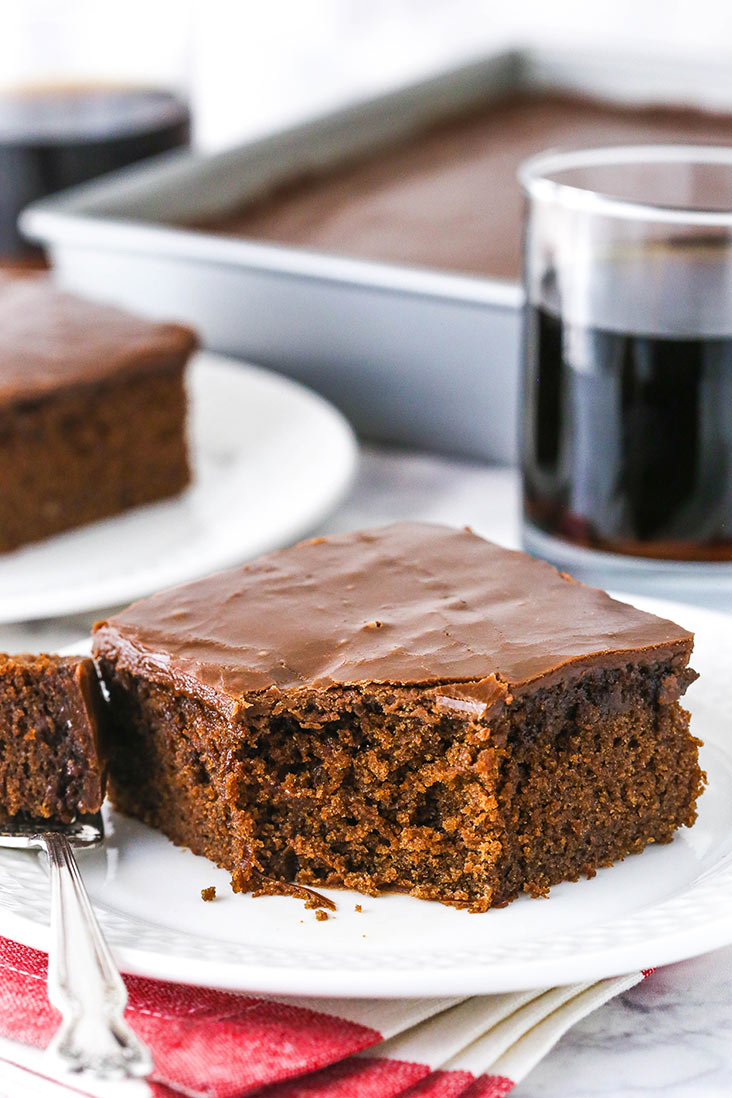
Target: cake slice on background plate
{"points": [[92, 410]]}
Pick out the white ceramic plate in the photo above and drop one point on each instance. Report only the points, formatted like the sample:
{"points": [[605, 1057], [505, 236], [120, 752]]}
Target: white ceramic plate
{"points": [[270, 460], [663, 905]]}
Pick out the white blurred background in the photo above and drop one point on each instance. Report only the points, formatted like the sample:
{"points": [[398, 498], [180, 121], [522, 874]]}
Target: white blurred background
{"points": [[251, 66], [255, 65]]}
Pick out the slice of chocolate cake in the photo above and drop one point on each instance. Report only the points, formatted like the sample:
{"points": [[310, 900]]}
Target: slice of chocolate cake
{"points": [[51, 710], [92, 410], [406, 708]]}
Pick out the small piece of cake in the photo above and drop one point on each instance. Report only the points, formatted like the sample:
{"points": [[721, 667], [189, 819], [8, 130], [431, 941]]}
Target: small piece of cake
{"points": [[92, 410], [407, 708], [51, 713]]}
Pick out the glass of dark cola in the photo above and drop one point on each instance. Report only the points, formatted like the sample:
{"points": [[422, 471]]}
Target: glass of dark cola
{"points": [[627, 361]]}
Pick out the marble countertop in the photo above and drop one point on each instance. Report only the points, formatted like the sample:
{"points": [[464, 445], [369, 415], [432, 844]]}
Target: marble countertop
{"points": [[670, 1035]]}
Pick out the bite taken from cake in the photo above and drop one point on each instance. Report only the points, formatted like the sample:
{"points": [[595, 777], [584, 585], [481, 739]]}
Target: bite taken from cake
{"points": [[408, 708]]}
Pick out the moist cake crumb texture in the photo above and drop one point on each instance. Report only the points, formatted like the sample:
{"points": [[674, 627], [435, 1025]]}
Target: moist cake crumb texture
{"points": [[502, 729], [312, 898], [51, 750]]}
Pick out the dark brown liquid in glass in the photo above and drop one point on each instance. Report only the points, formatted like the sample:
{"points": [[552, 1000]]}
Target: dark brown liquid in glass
{"points": [[628, 439], [52, 138]]}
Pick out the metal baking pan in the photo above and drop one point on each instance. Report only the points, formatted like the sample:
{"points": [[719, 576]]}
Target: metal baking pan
{"points": [[412, 356]]}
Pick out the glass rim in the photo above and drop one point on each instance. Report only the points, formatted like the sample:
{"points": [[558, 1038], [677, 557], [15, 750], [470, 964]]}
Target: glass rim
{"points": [[533, 179]]}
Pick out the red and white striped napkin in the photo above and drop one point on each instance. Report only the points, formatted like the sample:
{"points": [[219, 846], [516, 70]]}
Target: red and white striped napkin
{"points": [[215, 1044]]}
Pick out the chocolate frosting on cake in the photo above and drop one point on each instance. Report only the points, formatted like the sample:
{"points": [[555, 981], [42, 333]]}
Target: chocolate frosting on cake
{"points": [[51, 340], [410, 603]]}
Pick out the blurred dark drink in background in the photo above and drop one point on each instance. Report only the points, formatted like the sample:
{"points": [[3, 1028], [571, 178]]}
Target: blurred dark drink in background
{"points": [[85, 89], [55, 137]]}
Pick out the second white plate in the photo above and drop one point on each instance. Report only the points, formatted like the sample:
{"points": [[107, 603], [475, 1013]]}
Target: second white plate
{"points": [[270, 460], [668, 903]]}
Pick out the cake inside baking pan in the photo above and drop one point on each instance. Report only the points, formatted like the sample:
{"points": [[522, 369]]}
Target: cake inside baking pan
{"points": [[408, 708], [447, 198]]}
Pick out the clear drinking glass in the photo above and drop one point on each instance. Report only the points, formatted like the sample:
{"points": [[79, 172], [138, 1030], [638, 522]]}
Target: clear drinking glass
{"points": [[627, 414]]}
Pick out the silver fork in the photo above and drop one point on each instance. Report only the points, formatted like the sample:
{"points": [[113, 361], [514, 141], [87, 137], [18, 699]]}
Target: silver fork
{"points": [[84, 983]]}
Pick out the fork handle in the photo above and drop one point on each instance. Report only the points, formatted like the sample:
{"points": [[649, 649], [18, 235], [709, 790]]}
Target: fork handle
{"points": [[84, 983]]}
